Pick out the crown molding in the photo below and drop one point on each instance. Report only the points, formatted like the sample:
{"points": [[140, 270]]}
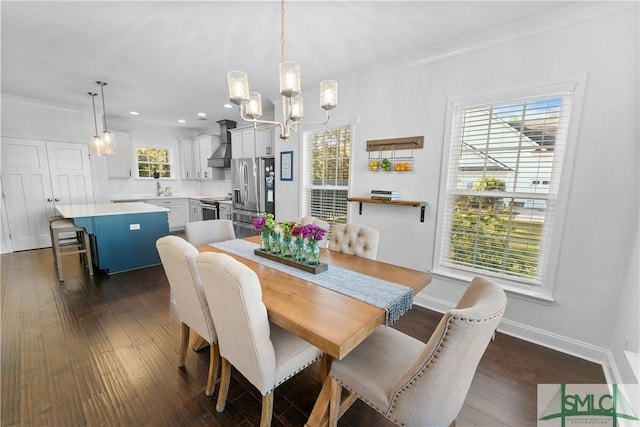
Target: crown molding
{"points": [[571, 14], [43, 104]]}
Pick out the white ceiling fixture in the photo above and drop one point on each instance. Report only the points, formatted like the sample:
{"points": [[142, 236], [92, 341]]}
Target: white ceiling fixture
{"points": [[108, 140], [250, 103], [134, 113]]}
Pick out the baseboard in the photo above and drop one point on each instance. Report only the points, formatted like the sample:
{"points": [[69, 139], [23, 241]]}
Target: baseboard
{"points": [[541, 337]]}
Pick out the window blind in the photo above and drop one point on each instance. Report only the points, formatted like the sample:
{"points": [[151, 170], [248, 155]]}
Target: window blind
{"points": [[326, 173], [502, 186]]}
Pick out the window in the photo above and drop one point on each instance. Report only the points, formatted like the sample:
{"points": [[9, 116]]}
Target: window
{"points": [[326, 156], [151, 160], [500, 196]]}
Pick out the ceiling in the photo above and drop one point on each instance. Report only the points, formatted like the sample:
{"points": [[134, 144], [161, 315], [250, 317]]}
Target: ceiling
{"points": [[168, 60]]}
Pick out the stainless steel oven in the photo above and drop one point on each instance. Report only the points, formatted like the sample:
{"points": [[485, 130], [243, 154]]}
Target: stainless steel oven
{"points": [[209, 209]]}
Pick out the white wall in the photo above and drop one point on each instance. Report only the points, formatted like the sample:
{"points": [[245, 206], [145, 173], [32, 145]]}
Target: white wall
{"points": [[596, 243], [627, 318]]}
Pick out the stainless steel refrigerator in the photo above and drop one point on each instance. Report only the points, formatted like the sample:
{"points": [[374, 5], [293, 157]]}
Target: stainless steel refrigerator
{"points": [[254, 192]]}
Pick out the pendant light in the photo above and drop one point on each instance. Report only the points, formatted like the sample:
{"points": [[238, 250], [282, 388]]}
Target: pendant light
{"points": [[96, 146], [108, 139]]}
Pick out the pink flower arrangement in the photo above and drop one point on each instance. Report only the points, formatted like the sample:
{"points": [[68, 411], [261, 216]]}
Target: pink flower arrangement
{"points": [[264, 222], [309, 231]]}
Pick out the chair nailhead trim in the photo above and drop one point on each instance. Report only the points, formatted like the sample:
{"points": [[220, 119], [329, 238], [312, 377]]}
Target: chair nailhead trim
{"points": [[430, 362], [294, 373]]}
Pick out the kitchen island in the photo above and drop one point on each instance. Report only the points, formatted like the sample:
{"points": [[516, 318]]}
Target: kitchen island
{"points": [[123, 235]]}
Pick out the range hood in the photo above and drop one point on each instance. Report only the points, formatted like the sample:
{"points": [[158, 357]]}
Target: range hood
{"points": [[221, 158]]}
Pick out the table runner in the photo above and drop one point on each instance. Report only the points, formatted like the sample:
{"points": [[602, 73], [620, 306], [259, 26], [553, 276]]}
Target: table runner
{"points": [[393, 298]]}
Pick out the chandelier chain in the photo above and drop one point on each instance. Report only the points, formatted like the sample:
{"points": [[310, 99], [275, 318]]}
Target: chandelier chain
{"points": [[282, 30]]}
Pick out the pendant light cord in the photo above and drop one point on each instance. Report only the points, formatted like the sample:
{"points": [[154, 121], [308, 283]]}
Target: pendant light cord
{"points": [[95, 120], [104, 112]]}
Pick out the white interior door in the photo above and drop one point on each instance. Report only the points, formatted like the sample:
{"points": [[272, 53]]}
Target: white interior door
{"points": [[35, 176], [27, 192], [70, 171]]}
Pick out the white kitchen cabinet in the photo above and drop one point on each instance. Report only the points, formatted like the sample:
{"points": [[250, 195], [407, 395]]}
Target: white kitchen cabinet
{"points": [[186, 158], [195, 154], [224, 210], [178, 211], [119, 164], [203, 147], [201, 152], [242, 143], [246, 142], [195, 212], [264, 146]]}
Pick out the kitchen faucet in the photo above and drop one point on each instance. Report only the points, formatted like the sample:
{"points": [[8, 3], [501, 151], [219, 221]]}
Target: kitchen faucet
{"points": [[158, 189]]}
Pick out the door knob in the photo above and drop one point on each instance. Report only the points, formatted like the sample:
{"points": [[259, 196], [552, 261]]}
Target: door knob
{"points": [[49, 199], [56, 199]]}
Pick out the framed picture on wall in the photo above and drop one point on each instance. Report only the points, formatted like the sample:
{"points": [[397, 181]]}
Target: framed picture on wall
{"points": [[286, 166]]}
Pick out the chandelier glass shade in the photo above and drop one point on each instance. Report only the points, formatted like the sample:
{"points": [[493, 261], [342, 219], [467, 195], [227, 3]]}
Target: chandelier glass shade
{"points": [[250, 103]]}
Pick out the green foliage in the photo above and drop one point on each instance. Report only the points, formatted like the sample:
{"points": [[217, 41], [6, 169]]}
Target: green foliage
{"points": [[151, 160], [486, 234]]}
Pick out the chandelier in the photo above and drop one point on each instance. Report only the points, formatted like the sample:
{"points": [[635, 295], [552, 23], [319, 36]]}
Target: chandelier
{"points": [[250, 103]]}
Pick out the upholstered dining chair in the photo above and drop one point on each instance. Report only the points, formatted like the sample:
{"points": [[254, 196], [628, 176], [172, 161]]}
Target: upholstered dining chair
{"points": [[178, 259], [318, 222], [262, 352], [355, 239], [417, 384], [214, 230]]}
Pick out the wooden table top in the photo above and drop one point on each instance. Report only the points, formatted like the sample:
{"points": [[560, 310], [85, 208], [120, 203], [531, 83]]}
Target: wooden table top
{"points": [[331, 321]]}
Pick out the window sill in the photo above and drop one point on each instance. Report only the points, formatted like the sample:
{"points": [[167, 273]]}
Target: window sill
{"points": [[512, 290]]}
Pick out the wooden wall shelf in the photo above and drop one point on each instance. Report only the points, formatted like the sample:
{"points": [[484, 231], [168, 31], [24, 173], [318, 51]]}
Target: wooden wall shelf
{"points": [[410, 142], [361, 200]]}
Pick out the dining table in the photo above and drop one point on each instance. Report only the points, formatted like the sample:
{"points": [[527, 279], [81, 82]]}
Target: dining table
{"points": [[332, 321]]}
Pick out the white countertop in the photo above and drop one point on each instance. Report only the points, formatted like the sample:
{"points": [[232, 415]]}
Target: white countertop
{"points": [[102, 209], [173, 196]]}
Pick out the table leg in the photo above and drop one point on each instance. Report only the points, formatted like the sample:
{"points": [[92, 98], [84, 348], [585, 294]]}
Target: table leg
{"points": [[325, 366], [320, 413]]}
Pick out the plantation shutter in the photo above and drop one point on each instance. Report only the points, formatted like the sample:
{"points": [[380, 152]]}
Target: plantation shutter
{"points": [[325, 174], [502, 186]]}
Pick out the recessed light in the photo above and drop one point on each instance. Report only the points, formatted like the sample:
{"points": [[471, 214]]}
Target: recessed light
{"points": [[182, 121], [227, 105], [202, 115], [134, 113]]}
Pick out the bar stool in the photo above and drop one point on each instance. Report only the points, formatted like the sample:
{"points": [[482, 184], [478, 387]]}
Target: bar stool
{"points": [[79, 242]]}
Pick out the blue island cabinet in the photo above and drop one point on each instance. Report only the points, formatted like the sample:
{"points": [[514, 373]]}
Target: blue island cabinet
{"points": [[125, 242]]}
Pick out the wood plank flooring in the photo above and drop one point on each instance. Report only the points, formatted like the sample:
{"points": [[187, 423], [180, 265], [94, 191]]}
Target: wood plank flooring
{"points": [[104, 351]]}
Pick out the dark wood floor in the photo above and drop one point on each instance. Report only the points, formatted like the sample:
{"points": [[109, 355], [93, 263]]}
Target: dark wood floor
{"points": [[104, 351]]}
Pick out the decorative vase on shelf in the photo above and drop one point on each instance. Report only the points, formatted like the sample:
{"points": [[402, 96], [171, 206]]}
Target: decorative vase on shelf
{"points": [[276, 243], [265, 241], [299, 250], [313, 253], [286, 247]]}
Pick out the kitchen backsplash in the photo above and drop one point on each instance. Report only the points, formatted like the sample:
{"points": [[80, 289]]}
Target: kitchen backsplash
{"points": [[140, 187]]}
